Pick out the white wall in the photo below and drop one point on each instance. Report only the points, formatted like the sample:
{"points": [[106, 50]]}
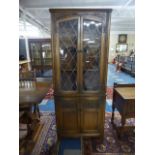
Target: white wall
{"points": [[28, 30], [114, 41]]}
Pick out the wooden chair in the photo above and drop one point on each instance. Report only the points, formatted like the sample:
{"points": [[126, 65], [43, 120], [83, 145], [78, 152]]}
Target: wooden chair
{"points": [[27, 79]]}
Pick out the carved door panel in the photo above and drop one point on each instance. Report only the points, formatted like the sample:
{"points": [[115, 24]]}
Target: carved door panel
{"points": [[68, 115], [91, 114]]}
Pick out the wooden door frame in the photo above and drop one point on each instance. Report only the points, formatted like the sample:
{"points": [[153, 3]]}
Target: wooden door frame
{"points": [[100, 59], [57, 56]]}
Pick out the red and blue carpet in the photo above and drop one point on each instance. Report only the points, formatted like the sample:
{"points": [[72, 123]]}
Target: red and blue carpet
{"points": [[91, 146], [111, 145]]}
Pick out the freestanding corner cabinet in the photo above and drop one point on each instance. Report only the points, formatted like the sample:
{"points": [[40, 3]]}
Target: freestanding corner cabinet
{"points": [[80, 43]]}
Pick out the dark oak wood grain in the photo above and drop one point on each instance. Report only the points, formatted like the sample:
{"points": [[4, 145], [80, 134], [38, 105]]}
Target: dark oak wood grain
{"points": [[80, 112]]}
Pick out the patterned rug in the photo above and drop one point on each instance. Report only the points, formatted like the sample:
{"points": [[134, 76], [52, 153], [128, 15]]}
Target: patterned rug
{"points": [[51, 93], [109, 92], [111, 145], [91, 146], [47, 136]]}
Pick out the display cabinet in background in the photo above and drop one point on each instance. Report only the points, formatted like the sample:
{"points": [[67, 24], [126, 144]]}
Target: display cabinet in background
{"points": [[128, 63], [41, 56]]}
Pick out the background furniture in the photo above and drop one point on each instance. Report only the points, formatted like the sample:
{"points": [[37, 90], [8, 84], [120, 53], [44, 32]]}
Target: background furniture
{"points": [[128, 63], [41, 56], [27, 79], [124, 102], [23, 65], [22, 48], [121, 48], [30, 97], [80, 55]]}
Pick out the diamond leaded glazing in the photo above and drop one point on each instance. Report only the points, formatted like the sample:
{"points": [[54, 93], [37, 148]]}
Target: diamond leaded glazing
{"points": [[35, 50], [68, 36], [92, 31]]}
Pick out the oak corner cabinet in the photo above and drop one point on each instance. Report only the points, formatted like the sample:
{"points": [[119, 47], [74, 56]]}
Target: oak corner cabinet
{"points": [[80, 44]]}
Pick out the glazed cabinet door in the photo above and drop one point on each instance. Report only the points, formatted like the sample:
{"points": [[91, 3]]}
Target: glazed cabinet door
{"points": [[67, 111], [46, 53], [92, 115], [35, 49], [46, 58], [41, 56], [91, 46], [67, 54]]}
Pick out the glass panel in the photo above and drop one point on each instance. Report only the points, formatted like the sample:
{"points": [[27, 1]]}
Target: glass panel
{"points": [[35, 50], [121, 47], [92, 31], [46, 50], [47, 73], [47, 61], [68, 36], [46, 54]]}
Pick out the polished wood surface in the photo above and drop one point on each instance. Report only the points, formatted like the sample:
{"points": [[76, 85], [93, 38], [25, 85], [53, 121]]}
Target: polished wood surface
{"points": [[80, 107], [126, 92], [124, 102], [32, 96]]}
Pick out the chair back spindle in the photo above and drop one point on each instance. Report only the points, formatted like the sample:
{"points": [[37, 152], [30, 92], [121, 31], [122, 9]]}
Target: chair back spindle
{"points": [[27, 79]]}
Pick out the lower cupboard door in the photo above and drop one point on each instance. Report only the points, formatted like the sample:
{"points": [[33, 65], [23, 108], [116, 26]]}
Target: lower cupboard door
{"points": [[67, 117], [92, 115]]}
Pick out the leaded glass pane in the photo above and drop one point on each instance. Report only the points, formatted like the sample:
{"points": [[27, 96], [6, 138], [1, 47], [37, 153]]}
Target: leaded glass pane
{"points": [[46, 54], [35, 50], [92, 31], [68, 36]]}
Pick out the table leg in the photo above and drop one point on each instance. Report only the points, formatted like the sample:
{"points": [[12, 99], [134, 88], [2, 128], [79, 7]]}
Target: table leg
{"points": [[35, 108], [123, 124], [37, 111], [113, 109]]}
